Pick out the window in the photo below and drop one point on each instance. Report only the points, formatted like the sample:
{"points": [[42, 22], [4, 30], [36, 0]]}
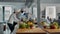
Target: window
{"points": [[51, 11], [8, 12], [35, 11]]}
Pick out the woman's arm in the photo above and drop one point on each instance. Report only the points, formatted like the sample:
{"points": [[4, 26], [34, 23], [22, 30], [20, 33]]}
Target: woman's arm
{"points": [[15, 18]]}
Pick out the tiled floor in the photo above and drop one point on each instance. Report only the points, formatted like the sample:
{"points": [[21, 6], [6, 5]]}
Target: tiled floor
{"points": [[7, 32]]}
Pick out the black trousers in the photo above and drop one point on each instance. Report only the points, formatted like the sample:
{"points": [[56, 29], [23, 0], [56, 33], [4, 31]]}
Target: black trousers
{"points": [[11, 26]]}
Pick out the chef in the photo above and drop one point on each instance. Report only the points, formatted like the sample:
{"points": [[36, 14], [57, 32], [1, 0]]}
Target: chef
{"points": [[13, 21], [13, 17]]}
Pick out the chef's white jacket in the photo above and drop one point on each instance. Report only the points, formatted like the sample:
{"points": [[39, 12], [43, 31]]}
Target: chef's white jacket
{"points": [[12, 18]]}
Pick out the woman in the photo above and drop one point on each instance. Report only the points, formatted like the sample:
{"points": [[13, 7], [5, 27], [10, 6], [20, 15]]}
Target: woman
{"points": [[12, 20], [13, 17]]}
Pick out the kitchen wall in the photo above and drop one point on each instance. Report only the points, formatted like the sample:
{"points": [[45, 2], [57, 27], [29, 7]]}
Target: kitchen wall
{"points": [[15, 5], [43, 6], [45, 3], [56, 3]]}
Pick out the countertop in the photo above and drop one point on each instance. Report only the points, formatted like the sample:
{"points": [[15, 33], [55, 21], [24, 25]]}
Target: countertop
{"points": [[52, 30], [38, 30], [35, 30]]}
